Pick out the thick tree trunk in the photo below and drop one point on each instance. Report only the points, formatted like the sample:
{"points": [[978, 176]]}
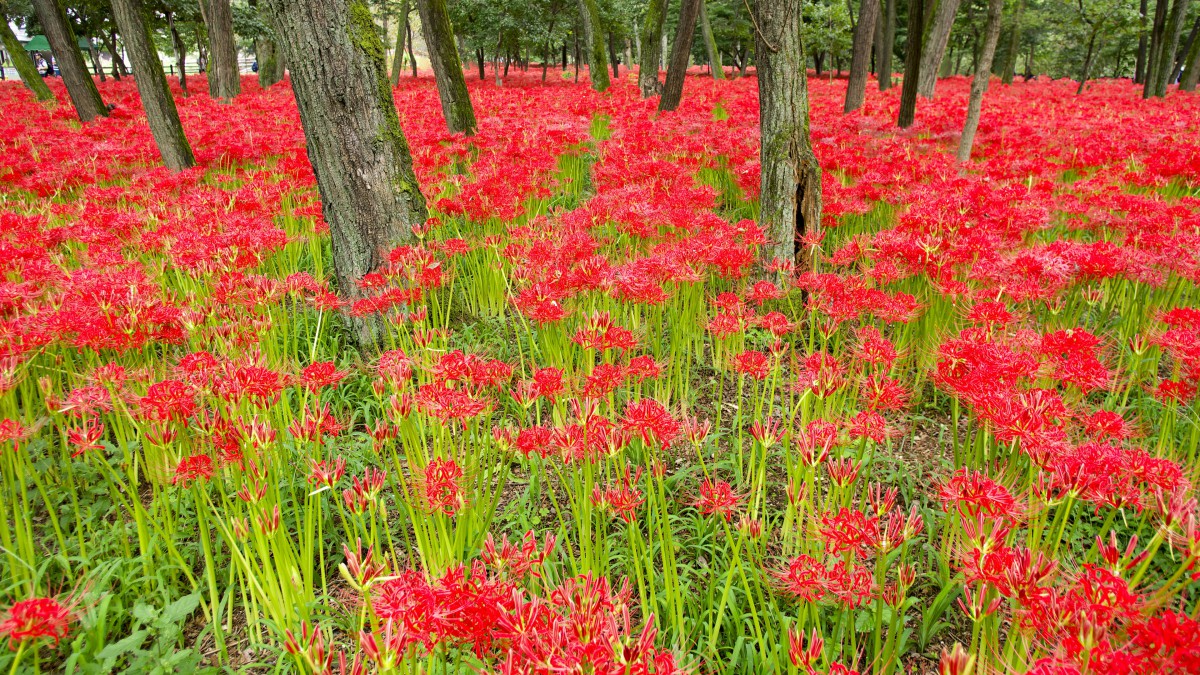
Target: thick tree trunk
{"points": [[652, 30], [1191, 68], [1014, 43], [270, 68], [1184, 51], [369, 193], [887, 45], [447, 68], [589, 16], [1139, 68], [860, 60], [935, 43], [710, 44], [224, 82], [80, 85], [912, 63], [161, 113], [1156, 45], [401, 35], [1170, 44], [790, 200], [681, 52], [25, 66], [983, 73]]}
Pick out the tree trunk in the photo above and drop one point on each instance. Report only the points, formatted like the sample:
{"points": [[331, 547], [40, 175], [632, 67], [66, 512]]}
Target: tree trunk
{"points": [[934, 49], [479, 56], [369, 193], [224, 81], [912, 64], [589, 16], [180, 52], [25, 66], [612, 56], [1191, 69], [790, 200], [270, 70], [80, 85], [1184, 51], [401, 35], [979, 85], [161, 113], [1170, 43], [652, 30], [681, 52], [412, 58], [1156, 42], [1014, 43], [447, 69], [1139, 68], [629, 54], [887, 45], [94, 57], [710, 44], [860, 61], [1087, 62]]}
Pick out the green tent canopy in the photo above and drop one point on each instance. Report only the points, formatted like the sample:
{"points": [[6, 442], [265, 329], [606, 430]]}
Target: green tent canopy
{"points": [[39, 43]]}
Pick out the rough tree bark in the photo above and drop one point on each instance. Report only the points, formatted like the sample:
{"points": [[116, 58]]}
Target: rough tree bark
{"points": [[1191, 68], [1170, 44], [1088, 59], [412, 58], [25, 66], [401, 35], [912, 64], [860, 61], [652, 29], [681, 52], [447, 68], [887, 45], [983, 73], [1185, 50], [790, 201], [935, 43], [369, 193], [589, 15], [224, 82], [1014, 41], [710, 44], [161, 113], [1139, 67], [612, 56], [80, 85], [180, 52]]}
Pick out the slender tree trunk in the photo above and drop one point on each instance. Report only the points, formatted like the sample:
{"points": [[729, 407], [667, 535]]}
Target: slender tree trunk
{"points": [[1014, 43], [790, 200], [860, 60], [401, 35], [224, 81], [934, 48], [94, 57], [369, 193], [589, 16], [180, 52], [412, 58], [447, 69], [1184, 51], [912, 64], [629, 53], [479, 56], [25, 66], [1139, 68], [612, 56], [1087, 62], [979, 85], [1156, 45], [681, 52], [1191, 69], [652, 30], [887, 45], [161, 113], [80, 85], [710, 44], [1170, 44]]}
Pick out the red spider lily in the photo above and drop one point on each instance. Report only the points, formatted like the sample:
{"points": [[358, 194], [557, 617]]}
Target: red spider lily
{"points": [[816, 440], [849, 530], [623, 499], [362, 571], [36, 618], [86, 436], [843, 472], [762, 291], [321, 374], [802, 656], [191, 469], [601, 334], [12, 431], [851, 587], [440, 487], [776, 323], [516, 562], [642, 368], [767, 433], [717, 499], [753, 363], [803, 578], [449, 405], [547, 382], [604, 380], [956, 661], [972, 493], [395, 368], [822, 374], [649, 419], [315, 423], [874, 349], [322, 475], [169, 400]]}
